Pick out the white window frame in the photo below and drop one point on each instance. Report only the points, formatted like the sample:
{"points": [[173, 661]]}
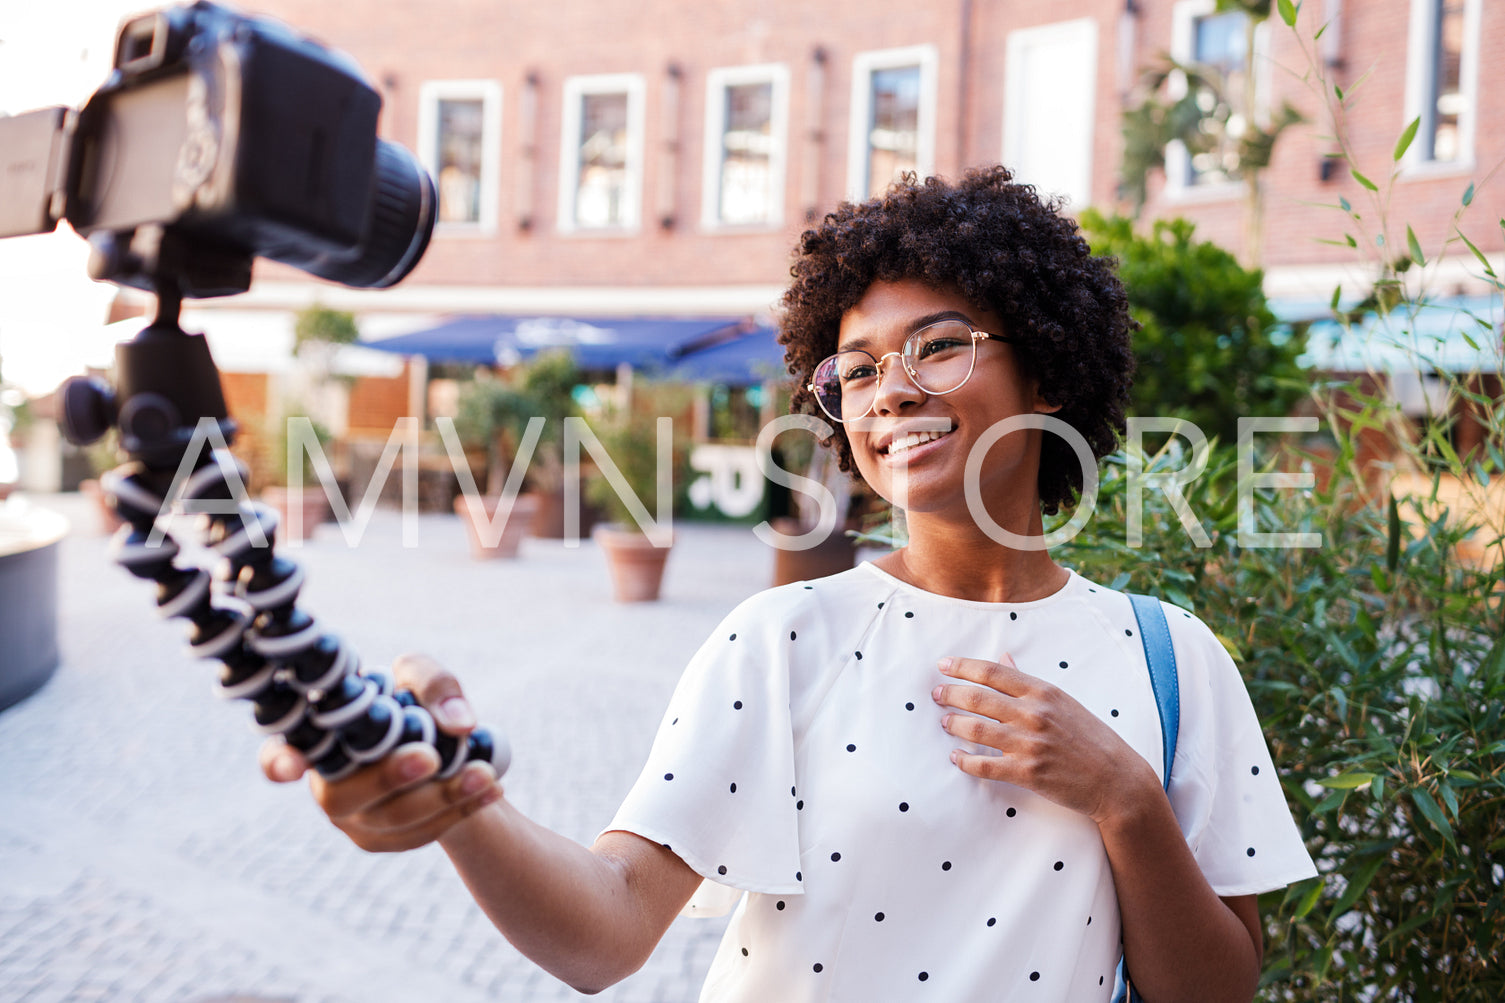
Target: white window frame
{"points": [[1016, 96], [717, 82], [1420, 72], [575, 90], [489, 93], [863, 64], [1184, 17]]}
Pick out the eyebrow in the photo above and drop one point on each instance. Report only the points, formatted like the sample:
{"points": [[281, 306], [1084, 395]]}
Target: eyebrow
{"points": [[914, 325]]}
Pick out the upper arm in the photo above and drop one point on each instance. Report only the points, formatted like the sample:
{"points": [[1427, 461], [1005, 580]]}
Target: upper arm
{"points": [[658, 881], [1246, 908]]}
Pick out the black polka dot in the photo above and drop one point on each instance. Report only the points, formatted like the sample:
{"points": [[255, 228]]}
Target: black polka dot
{"points": [[674, 722], [945, 865], [1034, 976], [1092, 590], [809, 587], [851, 747], [859, 656], [909, 615], [904, 806], [732, 638], [835, 857], [1254, 770], [880, 605], [1128, 632], [1114, 712], [1063, 665], [1089, 920], [1060, 864], [878, 917], [1012, 812], [721, 869], [909, 706], [744, 952], [1013, 615], [779, 905], [737, 705], [1250, 851], [668, 776], [924, 976], [1100, 980], [818, 967], [668, 847], [799, 805], [791, 792], [992, 920], [734, 788], [798, 876], [791, 635]]}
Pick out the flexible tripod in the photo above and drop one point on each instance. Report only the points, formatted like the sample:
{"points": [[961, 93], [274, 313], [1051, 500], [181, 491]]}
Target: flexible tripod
{"points": [[303, 683]]}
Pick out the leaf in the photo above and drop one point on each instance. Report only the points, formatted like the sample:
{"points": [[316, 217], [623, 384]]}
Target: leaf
{"points": [[1337, 295], [1347, 781], [1415, 246], [1392, 547], [1430, 810], [1363, 180], [1468, 195], [1477, 253], [1407, 134], [1347, 206], [1310, 899], [1287, 12], [1356, 886]]}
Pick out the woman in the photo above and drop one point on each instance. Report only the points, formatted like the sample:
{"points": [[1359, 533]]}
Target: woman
{"points": [[935, 775]]}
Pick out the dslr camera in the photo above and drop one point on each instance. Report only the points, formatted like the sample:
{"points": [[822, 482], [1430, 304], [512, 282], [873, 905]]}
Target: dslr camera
{"points": [[218, 138]]}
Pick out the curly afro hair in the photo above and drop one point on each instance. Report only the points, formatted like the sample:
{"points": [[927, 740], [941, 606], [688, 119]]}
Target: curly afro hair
{"points": [[1005, 251]]}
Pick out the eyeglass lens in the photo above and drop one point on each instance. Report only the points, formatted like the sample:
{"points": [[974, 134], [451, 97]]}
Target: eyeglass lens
{"points": [[938, 358]]}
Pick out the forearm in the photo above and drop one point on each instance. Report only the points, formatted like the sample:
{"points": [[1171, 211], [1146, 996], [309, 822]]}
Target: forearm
{"points": [[1181, 941], [569, 909]]}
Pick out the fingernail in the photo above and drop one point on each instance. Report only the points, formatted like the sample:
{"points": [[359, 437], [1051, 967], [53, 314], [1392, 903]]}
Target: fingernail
{"points": [[284, 768], [955, 755], [474, 781], [946, 721], [456, 713], [1008, 660], [412, 767], [944, 665], [935, 694]]}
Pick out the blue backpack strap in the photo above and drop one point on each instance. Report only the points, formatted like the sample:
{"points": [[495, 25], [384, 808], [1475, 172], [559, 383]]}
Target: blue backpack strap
{"points": [[1155, 635]]}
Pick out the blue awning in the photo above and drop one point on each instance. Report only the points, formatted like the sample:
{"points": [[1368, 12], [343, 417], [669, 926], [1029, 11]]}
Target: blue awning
{"points": [[717, 349], [1457, 334]]}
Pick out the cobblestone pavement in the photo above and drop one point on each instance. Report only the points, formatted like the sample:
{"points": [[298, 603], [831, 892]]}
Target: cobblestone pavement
{"points": [[144, 858]]}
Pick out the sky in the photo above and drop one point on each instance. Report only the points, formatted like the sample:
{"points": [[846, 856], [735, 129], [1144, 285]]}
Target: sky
{"points": [[52, 52]]}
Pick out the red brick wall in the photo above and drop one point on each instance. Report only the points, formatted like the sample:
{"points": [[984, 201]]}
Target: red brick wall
{"points": [[406, 42], [376, 402]]}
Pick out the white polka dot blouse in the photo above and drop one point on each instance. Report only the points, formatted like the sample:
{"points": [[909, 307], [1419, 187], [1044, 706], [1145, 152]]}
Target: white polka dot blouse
{"points": [[801, 769]]}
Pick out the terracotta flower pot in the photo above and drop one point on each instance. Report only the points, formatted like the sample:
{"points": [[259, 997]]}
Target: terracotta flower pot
{"points": [[834, 554], [519, 519], [636, 565], [311, 503]]}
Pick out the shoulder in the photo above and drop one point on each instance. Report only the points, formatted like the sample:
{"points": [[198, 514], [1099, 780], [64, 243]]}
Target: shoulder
{"points": [[821, 602]]}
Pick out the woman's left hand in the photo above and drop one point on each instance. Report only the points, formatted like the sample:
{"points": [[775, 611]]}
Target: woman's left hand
{"points": [[1050, 743]]}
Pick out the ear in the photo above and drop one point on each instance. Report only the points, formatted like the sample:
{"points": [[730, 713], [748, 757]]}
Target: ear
{"points": [[1041, 407]]}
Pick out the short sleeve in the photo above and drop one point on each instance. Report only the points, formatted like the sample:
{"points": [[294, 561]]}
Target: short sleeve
{"points": [[718, 787], [1224, 788]]}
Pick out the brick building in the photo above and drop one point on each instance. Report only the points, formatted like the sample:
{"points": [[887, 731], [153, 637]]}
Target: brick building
{"points": [[660, 158]]}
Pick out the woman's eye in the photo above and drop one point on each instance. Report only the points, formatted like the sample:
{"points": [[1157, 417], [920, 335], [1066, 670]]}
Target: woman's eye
{"points": [[859, 373], [939, 345]]}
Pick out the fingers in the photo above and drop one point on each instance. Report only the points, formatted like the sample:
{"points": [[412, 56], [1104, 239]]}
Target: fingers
{"points": [[437, 690], [280, 762], [393, 805]]}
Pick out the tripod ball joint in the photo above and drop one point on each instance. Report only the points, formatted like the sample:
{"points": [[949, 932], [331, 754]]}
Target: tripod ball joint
{"points": [[303, 684]]}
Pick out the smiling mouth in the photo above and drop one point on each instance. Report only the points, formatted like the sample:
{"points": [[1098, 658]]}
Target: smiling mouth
{"points": [[904, 443]]}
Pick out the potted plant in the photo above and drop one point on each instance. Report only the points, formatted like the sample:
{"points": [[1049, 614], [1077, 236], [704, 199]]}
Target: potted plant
{"points": [[835, 553], [549, 380], [494, 414], [635, 560], [302, 508]]}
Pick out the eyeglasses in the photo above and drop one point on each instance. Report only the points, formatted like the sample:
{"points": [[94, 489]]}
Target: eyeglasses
{"points": [[939, 358]]}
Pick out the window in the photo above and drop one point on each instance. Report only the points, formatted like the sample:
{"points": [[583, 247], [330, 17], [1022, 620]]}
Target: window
{"points": [[1442, 81], [1049, 91], [1220, 43], [601, 154], [460, 143], [893, 118], [746, 112]]}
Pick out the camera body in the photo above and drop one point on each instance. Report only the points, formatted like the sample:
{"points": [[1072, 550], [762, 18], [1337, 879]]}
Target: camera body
{"points": [[216, 139]]}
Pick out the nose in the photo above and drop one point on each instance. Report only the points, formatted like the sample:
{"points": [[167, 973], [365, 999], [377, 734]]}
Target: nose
{"points": [[895, 388]]}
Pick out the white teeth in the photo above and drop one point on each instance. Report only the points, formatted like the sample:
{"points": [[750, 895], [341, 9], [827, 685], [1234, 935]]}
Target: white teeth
{"points": [[911, 440]]}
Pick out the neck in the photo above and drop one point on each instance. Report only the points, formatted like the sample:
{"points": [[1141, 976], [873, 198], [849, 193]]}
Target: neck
{"points": [[958, 559]]}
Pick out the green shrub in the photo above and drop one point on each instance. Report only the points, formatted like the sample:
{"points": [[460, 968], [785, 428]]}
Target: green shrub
{"points": [[1208, 350], [1377, 666]]}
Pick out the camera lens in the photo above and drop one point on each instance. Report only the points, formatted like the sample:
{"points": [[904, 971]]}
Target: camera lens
{"points": [[403, 201]]}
